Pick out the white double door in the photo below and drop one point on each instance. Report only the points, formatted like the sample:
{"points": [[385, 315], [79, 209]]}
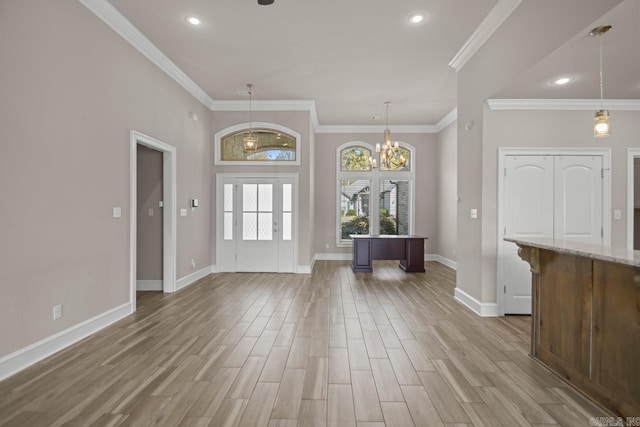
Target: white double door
{"points": [[547, 196], [256, 224]]}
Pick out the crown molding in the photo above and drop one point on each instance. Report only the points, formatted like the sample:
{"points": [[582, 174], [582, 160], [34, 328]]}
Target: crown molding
{"points": [[314, 117], [121, 25], [291, 105], [494, 19], [563, 104], [451, 117]]}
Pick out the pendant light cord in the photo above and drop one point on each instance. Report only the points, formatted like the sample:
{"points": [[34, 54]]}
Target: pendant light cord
{"points": [[601, 79], [387, 104], [250, 86]]}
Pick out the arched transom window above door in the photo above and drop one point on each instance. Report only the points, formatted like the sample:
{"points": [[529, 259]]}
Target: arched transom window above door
{"points": [[276, 145]]}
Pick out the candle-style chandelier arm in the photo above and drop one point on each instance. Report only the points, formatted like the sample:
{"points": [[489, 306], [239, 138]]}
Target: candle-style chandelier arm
{"points": [[387, 151]]}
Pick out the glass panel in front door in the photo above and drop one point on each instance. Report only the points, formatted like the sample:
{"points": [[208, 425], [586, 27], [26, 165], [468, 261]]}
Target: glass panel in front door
{"points": [[257, 211]]}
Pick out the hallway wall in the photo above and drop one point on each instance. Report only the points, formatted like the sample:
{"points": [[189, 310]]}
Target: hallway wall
{"points": [[72, 90]]}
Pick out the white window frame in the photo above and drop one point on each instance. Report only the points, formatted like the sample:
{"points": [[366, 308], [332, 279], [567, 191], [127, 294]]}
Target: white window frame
{"points": [[374, 176]]}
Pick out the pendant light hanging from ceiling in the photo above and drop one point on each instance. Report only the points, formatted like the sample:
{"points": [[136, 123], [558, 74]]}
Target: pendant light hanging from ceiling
{"points": [[387, 151], [250, 142], [601, 124]]}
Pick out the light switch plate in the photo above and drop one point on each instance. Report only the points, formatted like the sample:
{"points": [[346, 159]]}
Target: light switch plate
{"points": [[57, 311], [150, 211], [617, 214], [183, 212], [117, 212], [474, 213]]}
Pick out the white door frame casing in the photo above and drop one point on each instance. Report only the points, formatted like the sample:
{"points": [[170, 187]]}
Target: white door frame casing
{"points": [[221, 177], [503, 152], [632, 153], [169, 215]]}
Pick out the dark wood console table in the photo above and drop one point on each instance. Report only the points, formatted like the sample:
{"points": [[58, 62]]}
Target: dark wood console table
{"points": [[408, 249]]}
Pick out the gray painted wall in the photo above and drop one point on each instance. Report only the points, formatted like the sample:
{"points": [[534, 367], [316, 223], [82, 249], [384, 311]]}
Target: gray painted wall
{"points": [[296, 120], [552, 129], [516, 46], [72, 90], [447, 199], [325, 190]]}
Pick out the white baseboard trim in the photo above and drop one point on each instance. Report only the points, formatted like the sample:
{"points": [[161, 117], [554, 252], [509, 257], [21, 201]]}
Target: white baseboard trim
{"points": [[305, 268], [442, 260], [482, 309], [149, 285], [334, 256], [189, 279], [17, 361]]}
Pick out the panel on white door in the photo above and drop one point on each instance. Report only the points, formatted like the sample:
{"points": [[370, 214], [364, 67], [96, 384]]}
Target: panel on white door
{"points": [[528, 212], [578, 198], [257, 250]]}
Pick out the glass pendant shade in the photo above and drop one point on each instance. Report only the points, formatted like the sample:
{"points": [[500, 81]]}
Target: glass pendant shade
{"points": [[601, 125], [250, 142]]}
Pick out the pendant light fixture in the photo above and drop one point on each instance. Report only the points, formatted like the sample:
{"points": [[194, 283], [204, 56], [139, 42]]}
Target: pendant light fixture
{"points": [[250, 142], [387, 151], [601, 124]]}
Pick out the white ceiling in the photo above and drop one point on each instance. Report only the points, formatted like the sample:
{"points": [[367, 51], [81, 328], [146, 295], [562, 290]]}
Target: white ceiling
{"points": [[579, 59], [349, 56]]}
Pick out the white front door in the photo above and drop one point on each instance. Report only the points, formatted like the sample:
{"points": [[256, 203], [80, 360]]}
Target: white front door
{"points": [[257, 224], [547, 196]]}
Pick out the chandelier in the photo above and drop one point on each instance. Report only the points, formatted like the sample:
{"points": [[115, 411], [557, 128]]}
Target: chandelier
{"points": [[601, 124], [388, 152], [250, 142]]}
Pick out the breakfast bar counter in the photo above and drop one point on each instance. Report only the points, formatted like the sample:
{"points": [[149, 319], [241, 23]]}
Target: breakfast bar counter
{"points": [[585, 323]]}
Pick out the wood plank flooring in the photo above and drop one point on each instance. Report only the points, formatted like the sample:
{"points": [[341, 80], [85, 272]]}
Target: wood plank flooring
{"points": [[332, 348]]}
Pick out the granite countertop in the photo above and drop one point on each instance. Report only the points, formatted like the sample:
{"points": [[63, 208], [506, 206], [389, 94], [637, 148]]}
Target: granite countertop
{"points": [[601, 252]]}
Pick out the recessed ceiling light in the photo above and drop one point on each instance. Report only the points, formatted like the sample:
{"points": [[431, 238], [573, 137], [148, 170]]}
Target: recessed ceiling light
{"points": [[561, 81], [417, 18], [193, 20], [376, 117]]}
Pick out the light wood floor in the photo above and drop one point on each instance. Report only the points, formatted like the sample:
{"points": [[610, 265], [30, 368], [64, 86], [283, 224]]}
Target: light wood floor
{"points": [[332, 348]]}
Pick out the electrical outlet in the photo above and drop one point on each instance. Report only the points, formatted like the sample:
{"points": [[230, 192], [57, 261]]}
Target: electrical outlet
{"points": [[326, 246], [193, 264], [57, 311]]}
